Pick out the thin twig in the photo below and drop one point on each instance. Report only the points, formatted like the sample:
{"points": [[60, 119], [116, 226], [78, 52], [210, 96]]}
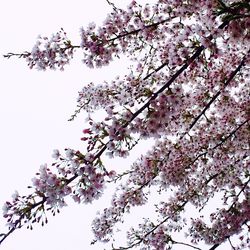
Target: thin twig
{"points": [[185, 244], [231, 243], [237, 196], [214, 246]]}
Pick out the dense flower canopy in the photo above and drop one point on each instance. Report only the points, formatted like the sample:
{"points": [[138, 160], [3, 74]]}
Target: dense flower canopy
{"points": [[188, 89]]}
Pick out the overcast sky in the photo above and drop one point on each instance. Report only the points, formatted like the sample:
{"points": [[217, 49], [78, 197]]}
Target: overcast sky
{"points": [[34, 109]]}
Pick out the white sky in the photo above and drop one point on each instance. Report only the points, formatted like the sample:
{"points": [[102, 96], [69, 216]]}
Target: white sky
{"points": [[34, 109]]}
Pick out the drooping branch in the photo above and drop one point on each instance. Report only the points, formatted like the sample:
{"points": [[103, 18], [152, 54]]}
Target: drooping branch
{"points": [[214, 246], [26, 54], [21, 55], [69, 46]]}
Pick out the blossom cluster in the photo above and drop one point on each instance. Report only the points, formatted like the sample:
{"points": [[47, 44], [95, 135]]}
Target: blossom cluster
{"points": [[227, 223], [52, 53], [72, 175], [103, 225]]}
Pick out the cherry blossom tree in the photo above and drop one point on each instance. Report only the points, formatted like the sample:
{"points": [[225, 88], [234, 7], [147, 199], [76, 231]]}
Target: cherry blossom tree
{"points": [[188, 89]]}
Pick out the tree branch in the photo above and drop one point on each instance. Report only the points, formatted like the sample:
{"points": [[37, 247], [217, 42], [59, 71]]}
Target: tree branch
{"points": [[69, 46], [231, 244], [185, 244], [232, 75], [214, 247]]}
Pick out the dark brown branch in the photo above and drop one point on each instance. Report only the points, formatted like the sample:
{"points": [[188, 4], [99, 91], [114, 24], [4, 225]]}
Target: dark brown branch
{"points": [[185, 244], [214, 247], [27, 54], [232, 75], [133, 32], [113, 5], [237, 196], [166, 85], [22, 55]]}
